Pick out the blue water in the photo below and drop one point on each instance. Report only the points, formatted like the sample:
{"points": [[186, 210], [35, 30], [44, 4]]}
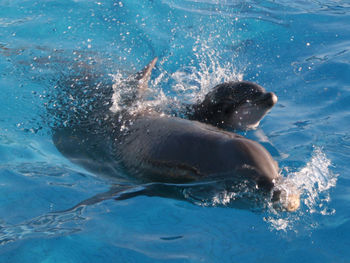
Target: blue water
{"points": [[298, 49]]}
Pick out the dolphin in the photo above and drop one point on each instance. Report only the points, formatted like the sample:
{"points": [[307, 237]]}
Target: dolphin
{"points": [[238, 105], [161, 152]]}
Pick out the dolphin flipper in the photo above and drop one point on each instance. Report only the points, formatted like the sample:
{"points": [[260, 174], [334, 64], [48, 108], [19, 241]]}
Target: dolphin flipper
{"points": [[124, 192], [114, 192]]}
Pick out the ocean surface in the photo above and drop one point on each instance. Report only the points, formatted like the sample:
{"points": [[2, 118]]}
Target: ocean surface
{"points": [[298, 49]]}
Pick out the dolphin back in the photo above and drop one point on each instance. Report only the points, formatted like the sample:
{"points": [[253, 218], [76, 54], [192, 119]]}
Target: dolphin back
{"points": [[169, 149]]}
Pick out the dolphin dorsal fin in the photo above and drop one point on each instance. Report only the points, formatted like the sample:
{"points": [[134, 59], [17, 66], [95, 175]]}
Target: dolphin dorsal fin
{"points": [[144, 76]]}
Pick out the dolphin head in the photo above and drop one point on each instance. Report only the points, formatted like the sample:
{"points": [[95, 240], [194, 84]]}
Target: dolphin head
{"points": [[238, 105], [258, 165]]}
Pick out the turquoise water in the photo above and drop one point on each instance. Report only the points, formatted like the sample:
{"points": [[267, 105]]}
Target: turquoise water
{"points": [[297, 49]]}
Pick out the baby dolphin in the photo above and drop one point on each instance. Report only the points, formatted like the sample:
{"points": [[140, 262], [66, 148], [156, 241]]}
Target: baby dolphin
{"points": [[156, 148], [237, 105]]}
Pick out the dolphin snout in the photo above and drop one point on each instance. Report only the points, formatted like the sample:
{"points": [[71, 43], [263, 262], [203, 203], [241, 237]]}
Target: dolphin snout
{"points": [[270, 99], [293, 202], [286, 200]]}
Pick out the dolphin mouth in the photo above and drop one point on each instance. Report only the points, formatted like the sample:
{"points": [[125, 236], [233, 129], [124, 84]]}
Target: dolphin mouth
{"points": [[268, 99]]}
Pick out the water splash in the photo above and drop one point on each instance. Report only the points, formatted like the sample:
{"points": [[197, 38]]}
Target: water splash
{"points": [[316, 178], [192, 84], [186, 85], [314, 182], [117, 93]]}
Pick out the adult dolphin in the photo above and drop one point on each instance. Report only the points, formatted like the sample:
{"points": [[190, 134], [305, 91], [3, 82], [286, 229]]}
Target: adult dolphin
{"points": [[159, 151]]}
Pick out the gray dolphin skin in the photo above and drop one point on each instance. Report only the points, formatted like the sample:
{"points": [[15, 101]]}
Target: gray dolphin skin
{"points": [[158, 149], [238, 105]]}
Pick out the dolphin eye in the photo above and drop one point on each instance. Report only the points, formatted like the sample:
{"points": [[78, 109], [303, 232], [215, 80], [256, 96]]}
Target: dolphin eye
{"points": [[227, 111], [222, 108]]}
